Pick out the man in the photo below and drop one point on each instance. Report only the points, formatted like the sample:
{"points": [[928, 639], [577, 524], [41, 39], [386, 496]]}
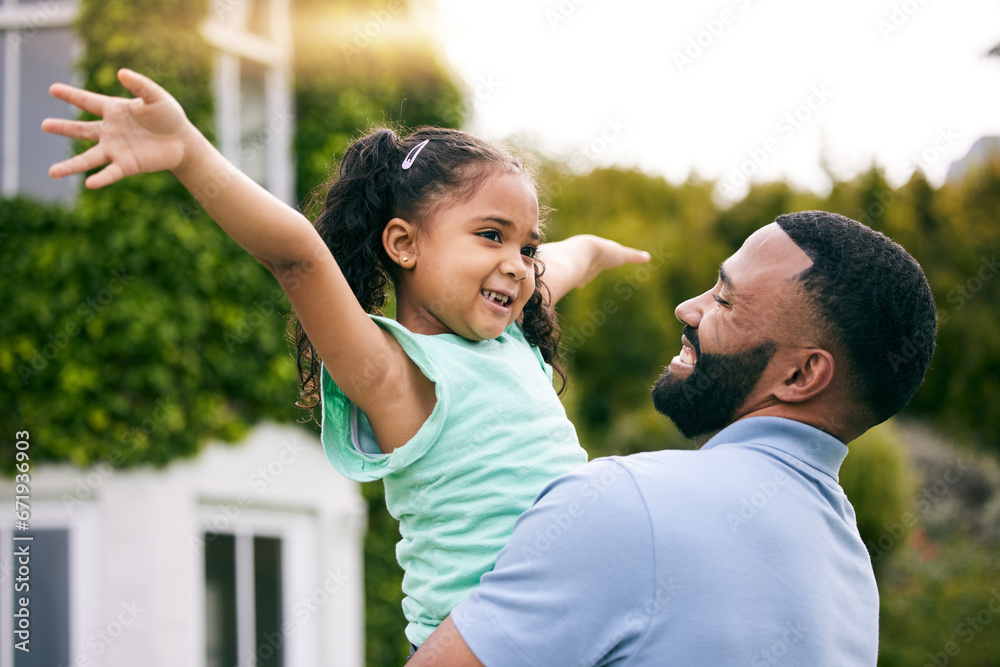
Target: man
{"points": [[745, 551]]}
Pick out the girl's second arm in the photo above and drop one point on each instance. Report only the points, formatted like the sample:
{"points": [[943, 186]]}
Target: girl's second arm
{"points": [[151, 133], [576, 261]]}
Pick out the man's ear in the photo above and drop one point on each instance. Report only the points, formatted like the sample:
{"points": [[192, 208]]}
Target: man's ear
{"points": [[399, 238], [810, 374]]}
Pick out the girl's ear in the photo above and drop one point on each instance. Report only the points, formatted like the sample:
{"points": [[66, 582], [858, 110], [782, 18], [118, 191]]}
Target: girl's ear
{"points": [[399, 238]]}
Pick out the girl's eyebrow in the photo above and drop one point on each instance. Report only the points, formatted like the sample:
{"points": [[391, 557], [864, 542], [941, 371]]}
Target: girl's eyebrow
{"points": [[503, 222]]}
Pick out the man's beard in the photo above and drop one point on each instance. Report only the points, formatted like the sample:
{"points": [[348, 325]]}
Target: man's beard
{"points": [[706, 400]]}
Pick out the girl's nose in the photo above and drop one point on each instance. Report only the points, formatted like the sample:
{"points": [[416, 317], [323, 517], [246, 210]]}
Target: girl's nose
{"points": [[515, 267]]}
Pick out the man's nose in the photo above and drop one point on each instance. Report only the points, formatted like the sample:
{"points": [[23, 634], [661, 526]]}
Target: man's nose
{"points": [[690, 311]]}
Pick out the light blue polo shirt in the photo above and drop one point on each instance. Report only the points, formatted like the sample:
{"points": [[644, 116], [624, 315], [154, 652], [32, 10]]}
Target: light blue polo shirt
{"points": [[745, 552]]}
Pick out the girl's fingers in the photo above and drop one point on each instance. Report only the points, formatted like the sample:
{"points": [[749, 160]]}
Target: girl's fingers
{"points": [[89, 159], [638, 256], [105, 176], [86, 161], [629, 255], [73, 129], [83, 99], [141, 86]]}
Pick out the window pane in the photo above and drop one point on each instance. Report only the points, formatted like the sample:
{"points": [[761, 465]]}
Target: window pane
{"points": [[220, 600], [49, 598], [254, 134], [3, 94], [46, 57], [267, 605]]}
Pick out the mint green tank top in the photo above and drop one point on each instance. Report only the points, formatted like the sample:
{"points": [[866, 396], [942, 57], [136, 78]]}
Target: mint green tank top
{"points": [[496, 436]]}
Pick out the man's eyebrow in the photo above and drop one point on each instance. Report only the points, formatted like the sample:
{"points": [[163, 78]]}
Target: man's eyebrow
{"points": [[726, 280], [504, 222]]}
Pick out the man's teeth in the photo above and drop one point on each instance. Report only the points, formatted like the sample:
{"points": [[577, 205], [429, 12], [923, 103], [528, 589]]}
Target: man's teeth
{"points": [[688, 356], [502, 299]]}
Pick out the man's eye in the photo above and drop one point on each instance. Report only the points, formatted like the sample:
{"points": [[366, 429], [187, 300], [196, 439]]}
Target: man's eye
{"points": [[530, 251], [719, 300], [492, 235]]}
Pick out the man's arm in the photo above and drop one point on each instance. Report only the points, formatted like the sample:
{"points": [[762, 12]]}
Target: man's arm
{"points": [[445, 646]]}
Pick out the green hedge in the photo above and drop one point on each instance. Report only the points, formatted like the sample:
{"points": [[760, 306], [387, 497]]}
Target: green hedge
{"points": [[138, 330]]}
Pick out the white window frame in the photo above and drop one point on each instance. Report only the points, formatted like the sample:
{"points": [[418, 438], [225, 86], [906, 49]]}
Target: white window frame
{"points": [[14, 20], [84, 560], [299, 569], [273, 53]]}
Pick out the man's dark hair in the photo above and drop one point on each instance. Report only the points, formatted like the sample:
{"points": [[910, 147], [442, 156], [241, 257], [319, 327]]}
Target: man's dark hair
{"points": [[873, 302]]}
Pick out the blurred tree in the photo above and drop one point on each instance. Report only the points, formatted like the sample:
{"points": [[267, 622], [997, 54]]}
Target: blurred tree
{"points": [[616, 344], [360, 64]]}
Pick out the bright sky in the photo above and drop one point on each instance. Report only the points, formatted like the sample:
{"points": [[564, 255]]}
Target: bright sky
{"points": [[730, 88]]}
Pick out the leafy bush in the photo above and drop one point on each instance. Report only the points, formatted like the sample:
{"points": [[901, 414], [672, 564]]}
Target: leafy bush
{"points": [[941, 603], [877, 479]]}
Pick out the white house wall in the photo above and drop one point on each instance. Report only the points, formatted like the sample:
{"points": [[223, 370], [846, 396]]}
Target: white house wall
{"points": [[136, 538]]}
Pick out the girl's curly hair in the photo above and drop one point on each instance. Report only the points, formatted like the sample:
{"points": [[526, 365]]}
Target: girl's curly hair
{"points": [[370, 188]]}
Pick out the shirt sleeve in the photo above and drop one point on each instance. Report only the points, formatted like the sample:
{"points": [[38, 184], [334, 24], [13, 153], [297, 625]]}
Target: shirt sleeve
{"points": [[347, 438], [570, 586]]}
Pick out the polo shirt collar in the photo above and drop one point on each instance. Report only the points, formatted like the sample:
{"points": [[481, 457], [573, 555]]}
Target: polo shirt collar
{"points": [[806, 443]]}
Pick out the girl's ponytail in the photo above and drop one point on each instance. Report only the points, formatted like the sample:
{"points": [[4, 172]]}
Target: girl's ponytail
{"points": [[358, 204], [359, 201]]}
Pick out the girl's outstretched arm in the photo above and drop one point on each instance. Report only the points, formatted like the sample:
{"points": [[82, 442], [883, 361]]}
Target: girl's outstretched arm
{"points": [[576, 261], [151, 133]]}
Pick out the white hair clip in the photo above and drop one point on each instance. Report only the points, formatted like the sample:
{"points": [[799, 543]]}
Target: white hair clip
{"points": [[414, 152]]}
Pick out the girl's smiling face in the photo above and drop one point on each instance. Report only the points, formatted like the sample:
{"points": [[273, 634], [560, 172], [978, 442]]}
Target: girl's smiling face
{"points": [[471, 267]]}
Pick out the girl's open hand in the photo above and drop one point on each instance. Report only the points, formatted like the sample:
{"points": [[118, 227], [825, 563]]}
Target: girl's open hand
{"points": [[610, 254], [145, 134], [596, 254]]}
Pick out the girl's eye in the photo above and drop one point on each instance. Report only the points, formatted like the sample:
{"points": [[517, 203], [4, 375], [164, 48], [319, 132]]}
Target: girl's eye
{"points": [[719, 300], [492, 235], [530, 251]]}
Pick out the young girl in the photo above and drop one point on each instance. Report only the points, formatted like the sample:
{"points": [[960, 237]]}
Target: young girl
{"points": [[451, 403]]}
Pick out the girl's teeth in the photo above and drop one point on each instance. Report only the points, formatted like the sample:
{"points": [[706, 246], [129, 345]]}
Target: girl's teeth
{"points": [[499, 298]]}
